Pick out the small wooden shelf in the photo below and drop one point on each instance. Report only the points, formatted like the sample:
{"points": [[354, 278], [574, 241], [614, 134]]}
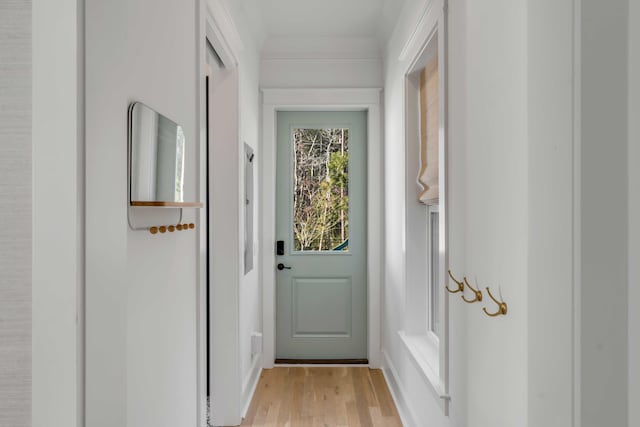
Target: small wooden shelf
{"points": [[168, 204]]}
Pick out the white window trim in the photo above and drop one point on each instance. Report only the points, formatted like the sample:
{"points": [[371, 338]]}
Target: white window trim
{"points": [[429, 353], [430, 286]]}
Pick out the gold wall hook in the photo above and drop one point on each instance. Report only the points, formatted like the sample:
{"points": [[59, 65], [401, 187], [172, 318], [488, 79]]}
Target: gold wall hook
{"points": [[502, 306], [478, 293], [459, 283]]}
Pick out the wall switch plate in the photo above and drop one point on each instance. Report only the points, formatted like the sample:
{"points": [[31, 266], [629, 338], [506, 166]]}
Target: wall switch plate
{"points": [[256, 343]]}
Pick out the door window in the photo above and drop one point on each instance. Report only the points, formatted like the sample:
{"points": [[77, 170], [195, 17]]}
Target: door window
{"points": [[321, 189]]}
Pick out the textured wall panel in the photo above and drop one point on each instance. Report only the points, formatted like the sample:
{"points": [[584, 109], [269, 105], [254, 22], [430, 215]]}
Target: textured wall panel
{"points": [[15, 213]]}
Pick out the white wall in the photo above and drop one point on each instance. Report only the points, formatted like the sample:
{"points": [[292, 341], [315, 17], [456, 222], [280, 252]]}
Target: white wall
{"points": [[634, 213], [488, 171], [604, 213], [250, 296], [141, 289], [15, 213], [551, 199], [320, 62], [58, 197], [496, 237]]}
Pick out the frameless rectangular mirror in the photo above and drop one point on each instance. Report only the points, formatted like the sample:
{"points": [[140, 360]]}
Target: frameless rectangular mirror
{"points": [[156, 156]]}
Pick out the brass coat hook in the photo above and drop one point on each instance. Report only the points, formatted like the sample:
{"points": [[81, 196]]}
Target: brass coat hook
{"points": [[459, 283], [502, 306], [477, 292]]}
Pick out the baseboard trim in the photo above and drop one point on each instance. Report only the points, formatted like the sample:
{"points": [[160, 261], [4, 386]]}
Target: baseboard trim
{"points": [[395, 388], [320, 365], [322, 362], [251, 383]]}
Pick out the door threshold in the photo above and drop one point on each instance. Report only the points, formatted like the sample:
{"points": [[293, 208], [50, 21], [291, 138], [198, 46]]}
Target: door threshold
{"points": [[322, 362]]}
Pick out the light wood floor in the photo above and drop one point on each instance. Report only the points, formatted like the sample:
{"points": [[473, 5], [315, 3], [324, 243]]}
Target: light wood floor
{"points": [[322, 397]]}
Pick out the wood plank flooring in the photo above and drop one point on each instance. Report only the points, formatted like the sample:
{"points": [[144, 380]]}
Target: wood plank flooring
{"points": [[322, 397]]}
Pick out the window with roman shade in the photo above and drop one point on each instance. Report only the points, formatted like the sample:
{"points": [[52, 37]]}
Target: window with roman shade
{"points": [[429, 133]]}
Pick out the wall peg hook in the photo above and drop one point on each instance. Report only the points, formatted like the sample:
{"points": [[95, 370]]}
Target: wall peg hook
{"points": [[459, 283], [170, 228], [477, 293], [502, 306]]}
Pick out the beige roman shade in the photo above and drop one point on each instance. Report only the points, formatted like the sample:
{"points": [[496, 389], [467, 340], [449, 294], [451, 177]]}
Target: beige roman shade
{"points": [[429, 133]]}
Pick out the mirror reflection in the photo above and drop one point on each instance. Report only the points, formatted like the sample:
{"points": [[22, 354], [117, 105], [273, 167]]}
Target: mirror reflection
{"points": [[156, 156]]}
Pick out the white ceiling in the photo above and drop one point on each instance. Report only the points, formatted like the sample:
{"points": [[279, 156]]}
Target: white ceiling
{"points": [[322, 18]]}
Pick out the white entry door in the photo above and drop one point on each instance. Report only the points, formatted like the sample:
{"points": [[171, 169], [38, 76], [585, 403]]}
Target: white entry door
{"points": [[321, 224]]}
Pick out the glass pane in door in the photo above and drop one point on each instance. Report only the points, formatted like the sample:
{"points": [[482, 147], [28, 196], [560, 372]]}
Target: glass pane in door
{"points": [[321, 189]]}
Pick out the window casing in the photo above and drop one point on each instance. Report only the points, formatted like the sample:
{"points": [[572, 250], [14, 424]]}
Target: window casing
{"points": [[433, 257], [425, 336]]}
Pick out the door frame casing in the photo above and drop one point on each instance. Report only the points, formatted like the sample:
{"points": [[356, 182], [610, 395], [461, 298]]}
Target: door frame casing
{"points": [[224, 376], [274, 100]]}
